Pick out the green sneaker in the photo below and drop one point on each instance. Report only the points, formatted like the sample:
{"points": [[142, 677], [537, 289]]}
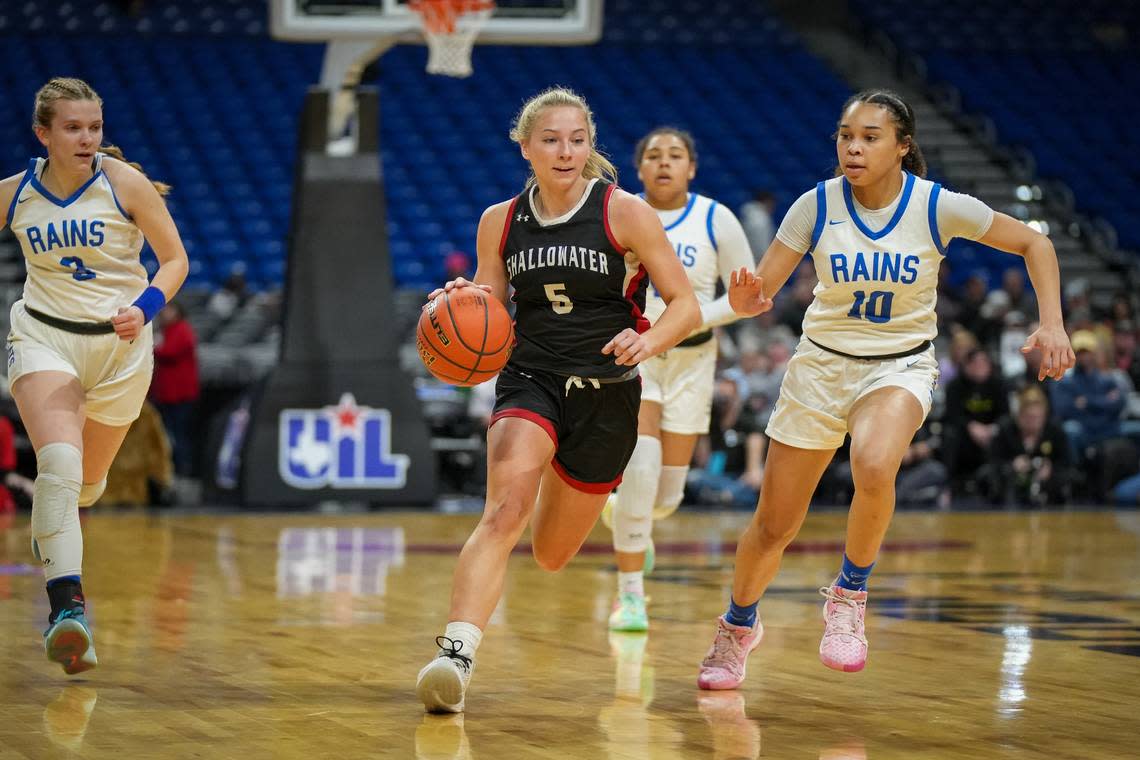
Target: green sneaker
{"points": [[629, 613]]}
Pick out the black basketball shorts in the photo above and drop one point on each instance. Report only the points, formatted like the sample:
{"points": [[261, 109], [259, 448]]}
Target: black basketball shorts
{"points": [[593, 423]]}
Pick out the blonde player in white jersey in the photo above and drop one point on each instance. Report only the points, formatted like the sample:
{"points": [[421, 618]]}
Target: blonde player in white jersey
{"points": [[677, 386], [865, 367], [80, 349]]}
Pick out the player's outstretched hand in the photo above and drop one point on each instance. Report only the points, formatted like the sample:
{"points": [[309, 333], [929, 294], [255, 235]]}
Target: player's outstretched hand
{"points": [[1057, 355], [128, 322], [629, 347], [746, 293], [458, 282]]}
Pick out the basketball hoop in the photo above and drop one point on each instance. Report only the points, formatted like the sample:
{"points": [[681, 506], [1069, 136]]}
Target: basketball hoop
{"points": [[450, 28]]}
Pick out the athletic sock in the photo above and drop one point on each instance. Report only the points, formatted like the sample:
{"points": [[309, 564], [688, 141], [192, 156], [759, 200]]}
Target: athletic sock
{"points": [[64, 594], [631, 583], [741, 614], [852, 576]]}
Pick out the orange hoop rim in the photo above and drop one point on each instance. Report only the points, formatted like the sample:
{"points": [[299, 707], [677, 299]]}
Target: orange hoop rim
{"points": [[439, 16]]}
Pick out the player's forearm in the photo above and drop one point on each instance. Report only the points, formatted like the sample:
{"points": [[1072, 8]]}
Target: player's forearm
{"points": [[680, 318], [1041, 262], [170, 276]]}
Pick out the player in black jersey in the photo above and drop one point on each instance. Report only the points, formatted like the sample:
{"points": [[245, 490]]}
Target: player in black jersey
{"points": [[577, 251]]}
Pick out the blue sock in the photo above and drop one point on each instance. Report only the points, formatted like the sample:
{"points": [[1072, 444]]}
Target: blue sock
{"points": [[853, 577], [741, 615]]}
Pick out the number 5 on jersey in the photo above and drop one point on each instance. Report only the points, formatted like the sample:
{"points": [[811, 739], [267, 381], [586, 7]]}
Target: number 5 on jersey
{"points": [[559, 301]]}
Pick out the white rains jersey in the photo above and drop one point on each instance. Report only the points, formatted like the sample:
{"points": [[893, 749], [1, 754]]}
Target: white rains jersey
{"points": [[82, 252], [877, 288], [695, 243]]}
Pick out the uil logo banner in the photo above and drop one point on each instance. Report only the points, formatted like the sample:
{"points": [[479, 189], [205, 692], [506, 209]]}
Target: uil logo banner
{"points": [[342, 446]]}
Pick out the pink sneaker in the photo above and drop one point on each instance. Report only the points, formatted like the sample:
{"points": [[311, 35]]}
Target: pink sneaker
{"points": [[723, 666], [844, 645]]}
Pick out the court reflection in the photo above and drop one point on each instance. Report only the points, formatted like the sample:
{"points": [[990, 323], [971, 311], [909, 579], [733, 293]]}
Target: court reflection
{"points": [[442, 737], [734, 734], [337, 566], [66, 717]]}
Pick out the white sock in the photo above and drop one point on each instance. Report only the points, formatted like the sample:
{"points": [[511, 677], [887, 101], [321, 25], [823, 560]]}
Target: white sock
{"points": [[468, 633], [631, 583]]}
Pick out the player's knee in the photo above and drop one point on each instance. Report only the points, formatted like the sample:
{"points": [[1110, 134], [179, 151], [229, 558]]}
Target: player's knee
{"points": [[633, 527], [773, 533], [873, 472], [551, 558], [670, 491], [89, 493], [505, 519], [55, 498]]}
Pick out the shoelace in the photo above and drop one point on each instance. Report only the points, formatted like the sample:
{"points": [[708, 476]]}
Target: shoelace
{"points": [[726, 649], [846, 617], [70, 612], [451, 651]]}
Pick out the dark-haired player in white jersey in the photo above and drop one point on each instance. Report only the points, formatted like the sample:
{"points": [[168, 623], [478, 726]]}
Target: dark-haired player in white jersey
{"points": [[865, 366], [80, 351], [677, 385], [576, 250]]}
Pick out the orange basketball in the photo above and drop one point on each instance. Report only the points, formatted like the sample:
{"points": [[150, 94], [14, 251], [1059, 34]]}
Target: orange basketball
{"points": [[465, 336]]}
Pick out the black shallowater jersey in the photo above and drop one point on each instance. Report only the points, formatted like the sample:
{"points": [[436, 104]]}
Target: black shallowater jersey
{"points": [[575, 288]]}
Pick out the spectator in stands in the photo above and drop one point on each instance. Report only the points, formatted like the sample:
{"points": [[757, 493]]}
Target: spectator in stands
{"points": [[14, 487], [142, 473], [1078, 311], [1087, 400], [923, 478], [1125, 356], [1010, 357], [949, 304], [175, 387], [731, 465], [793, 307], [973, 297], [950, 365], [231, 296], [975, 401], [456, 264], [756, 218], [1029, 457], [1020, 298]]}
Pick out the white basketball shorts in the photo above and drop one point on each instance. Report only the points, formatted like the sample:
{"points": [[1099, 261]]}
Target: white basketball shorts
{"points": [[681, 380], [820, 388], [115, 374]]}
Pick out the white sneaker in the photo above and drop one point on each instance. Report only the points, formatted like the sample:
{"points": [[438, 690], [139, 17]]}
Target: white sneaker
{"points": [[442, 684]]}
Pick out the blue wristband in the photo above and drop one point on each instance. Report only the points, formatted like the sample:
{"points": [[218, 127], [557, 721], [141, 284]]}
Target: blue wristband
{"points": [[150, 302]]}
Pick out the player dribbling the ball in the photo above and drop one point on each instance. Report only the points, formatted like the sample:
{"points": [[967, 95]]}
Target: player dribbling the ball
{"points": [[578, 252]]}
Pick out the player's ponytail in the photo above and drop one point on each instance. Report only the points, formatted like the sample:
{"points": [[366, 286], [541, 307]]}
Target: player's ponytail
{"points": [[115, 151], [597, 165], [67, 88], [903, 116]]}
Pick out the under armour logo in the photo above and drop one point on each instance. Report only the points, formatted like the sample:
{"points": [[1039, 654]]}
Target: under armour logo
{"points": [[522, 218]]}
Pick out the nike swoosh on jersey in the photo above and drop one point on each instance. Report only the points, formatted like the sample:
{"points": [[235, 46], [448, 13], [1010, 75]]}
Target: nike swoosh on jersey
{"points": [[836, 221]]}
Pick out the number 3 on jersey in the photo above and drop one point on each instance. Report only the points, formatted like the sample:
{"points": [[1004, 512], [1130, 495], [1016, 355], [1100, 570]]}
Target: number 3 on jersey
{"points": [[81, 272], [559, 301]]}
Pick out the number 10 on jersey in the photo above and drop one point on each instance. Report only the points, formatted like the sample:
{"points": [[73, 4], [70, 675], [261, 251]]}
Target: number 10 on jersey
{"points": [[878, 306]]}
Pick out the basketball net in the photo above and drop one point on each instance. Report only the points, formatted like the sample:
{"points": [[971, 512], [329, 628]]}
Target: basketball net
{"points": [[450, 28]]}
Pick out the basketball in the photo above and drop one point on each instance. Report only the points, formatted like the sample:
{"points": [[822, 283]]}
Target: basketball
{"points": [[465, 336]]}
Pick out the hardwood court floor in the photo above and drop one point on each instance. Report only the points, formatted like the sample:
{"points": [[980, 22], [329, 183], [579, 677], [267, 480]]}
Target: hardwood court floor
{"points": [[299, 636]]}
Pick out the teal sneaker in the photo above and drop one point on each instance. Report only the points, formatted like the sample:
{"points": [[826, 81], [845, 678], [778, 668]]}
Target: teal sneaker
{"points": [[629, 613], [68, 641]]}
